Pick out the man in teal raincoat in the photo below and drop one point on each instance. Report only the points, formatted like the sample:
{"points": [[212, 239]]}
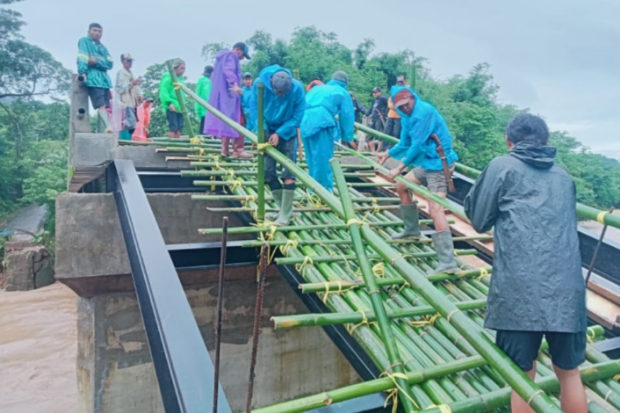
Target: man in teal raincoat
{"points": [[320, 129], [284, 105], [416, 148], [250, 122], [93, 63]]}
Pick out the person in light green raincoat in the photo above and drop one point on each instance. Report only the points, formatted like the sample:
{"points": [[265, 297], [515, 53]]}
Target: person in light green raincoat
{"points": [[203, 90]]}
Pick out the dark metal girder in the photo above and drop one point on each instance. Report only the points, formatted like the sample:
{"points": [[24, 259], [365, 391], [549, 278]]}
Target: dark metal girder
{"points": [[182, 364], [206, 255]]}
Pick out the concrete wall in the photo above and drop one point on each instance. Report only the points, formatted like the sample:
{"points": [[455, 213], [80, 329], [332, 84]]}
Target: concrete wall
{"points": [[114, 368]]}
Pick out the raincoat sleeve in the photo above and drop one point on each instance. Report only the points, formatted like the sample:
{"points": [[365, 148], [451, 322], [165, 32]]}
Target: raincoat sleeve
{"points": [[399, 151], [253, 101], [481, 204], [82, 58], [229, 70], [105, 62], [346, 120], [288, 128]]}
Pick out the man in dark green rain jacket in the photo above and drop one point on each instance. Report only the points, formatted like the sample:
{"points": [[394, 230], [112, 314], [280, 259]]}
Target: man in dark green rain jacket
{"points": [[537, 288]]}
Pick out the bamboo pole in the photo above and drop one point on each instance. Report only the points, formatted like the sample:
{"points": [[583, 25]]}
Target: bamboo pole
{"points": [[319, 319], [336, 286], [260, 212], [188, 123], [256, 183], [523, 385], [254, 172], [310, 209], [318, 227], [376, 257], [396, 363], [297, 198]]}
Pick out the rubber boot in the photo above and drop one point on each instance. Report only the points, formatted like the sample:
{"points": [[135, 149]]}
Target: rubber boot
{"points": [[411, 219], [105, 119], [225, 147], [286, 210], [445, 253], [238, 151], [277, 196]]}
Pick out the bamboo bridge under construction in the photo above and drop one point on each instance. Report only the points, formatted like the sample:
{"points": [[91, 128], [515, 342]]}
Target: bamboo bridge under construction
{"points": [[327, 314]]}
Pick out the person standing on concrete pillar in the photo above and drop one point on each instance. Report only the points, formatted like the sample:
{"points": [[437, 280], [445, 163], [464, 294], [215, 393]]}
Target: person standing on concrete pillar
{"points": [[226, 98], [126, 99], [320, 129], [284, 105], [421, 122], [93, 63], [203, 90], [169, 100]]}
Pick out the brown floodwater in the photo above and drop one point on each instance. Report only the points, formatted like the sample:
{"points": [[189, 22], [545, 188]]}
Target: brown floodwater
{"points": [[38, 348]]}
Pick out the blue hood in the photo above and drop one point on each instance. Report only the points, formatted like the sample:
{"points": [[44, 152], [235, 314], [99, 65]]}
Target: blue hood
{"points": [[394, 91], [338, 83], [269, 71]]}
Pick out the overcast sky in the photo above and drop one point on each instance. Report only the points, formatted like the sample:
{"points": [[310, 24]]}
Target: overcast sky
{"points": [[557, 57]]}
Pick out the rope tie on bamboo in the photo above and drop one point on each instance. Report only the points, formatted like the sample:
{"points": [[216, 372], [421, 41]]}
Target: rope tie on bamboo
{"points": [[177, 86], [195, 141], [230, 172], [617, 377], [590, 335], [355, 221], [538, 393], [426, 321], [314, 200], [327, 291], [601, 217], [452, 313], [393, 394], [262, 146], [236, 183], [443, 408], [201, 151], [364, 321], [291, 243], [483, 273], [301, 267], [379, 270]]}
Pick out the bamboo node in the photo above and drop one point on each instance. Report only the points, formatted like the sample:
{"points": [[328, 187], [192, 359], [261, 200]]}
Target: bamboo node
{"points": [[538, 393], [452, 313]]}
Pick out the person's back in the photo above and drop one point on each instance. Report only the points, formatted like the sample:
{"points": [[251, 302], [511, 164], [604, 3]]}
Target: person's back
{"points": [[537, 288], [323, 103]]}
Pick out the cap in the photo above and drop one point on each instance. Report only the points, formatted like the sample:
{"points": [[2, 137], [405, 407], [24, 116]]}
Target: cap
{"points": [[376, 89], [247, 74], [401, 98], [341, 76], [126, 56], [178, 62], [281, 82], [244, 47]]}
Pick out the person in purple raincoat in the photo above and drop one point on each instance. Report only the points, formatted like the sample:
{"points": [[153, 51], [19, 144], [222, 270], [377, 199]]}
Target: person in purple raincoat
{"points": [[226, 97]]}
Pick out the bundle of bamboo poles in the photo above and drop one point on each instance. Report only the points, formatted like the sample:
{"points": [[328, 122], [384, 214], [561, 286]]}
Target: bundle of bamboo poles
{"points": [[447, 363]]}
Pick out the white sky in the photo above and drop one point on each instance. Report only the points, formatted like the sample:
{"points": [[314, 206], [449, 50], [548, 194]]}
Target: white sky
{"points": [[557, 57]]}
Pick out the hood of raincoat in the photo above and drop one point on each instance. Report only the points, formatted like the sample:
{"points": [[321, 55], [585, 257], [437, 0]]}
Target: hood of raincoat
{"points": [[338, 83], [541, 157], [394, 91], [269, 71]]}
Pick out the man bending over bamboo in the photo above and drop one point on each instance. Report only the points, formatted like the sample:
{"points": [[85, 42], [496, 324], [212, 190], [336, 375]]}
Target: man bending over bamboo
{"points": [[284, 105], [423, 128], [537, 288]]}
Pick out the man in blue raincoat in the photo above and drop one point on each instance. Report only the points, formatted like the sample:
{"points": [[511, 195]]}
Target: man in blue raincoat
{"points": [[417, 148], [320, 129], [537, 288], [284, 105]]}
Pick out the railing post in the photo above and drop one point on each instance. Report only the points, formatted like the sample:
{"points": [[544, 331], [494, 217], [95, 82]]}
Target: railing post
{"points": [[260, 213], [188, 124]]}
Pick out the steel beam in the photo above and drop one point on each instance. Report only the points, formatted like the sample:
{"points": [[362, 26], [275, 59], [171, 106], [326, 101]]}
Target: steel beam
{"points": [[182, 364]]}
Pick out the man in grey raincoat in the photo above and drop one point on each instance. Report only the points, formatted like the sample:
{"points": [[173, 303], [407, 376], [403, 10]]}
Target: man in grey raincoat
{"points": [[537, 288]]}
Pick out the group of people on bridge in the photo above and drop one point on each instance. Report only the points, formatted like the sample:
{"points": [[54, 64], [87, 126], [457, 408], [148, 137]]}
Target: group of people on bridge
{"points": [[537, 289]]}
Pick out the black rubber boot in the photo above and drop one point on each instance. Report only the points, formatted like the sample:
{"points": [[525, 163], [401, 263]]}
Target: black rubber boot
{"points": [[410, 218]]}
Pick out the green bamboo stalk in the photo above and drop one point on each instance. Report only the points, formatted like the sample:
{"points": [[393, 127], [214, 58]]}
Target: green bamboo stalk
{"points": [[188, 124], [369, 387], [540, 402], [206, 161], [297, 198], [340, 258], [320, 319], [396, 363], [288, 228], [260, 213], [311, 209], [256, 183], [255, 172], [383, 282], [501, 398]]}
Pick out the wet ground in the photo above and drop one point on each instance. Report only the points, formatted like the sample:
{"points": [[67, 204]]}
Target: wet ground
{"points": [[38, 347]]}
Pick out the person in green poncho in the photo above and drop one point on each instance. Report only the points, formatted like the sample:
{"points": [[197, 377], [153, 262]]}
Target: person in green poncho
{"points": [[203, 90], [170, 102]]}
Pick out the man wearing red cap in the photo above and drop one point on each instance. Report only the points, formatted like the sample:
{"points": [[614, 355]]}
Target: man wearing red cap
{"points": [[417, 148]]}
